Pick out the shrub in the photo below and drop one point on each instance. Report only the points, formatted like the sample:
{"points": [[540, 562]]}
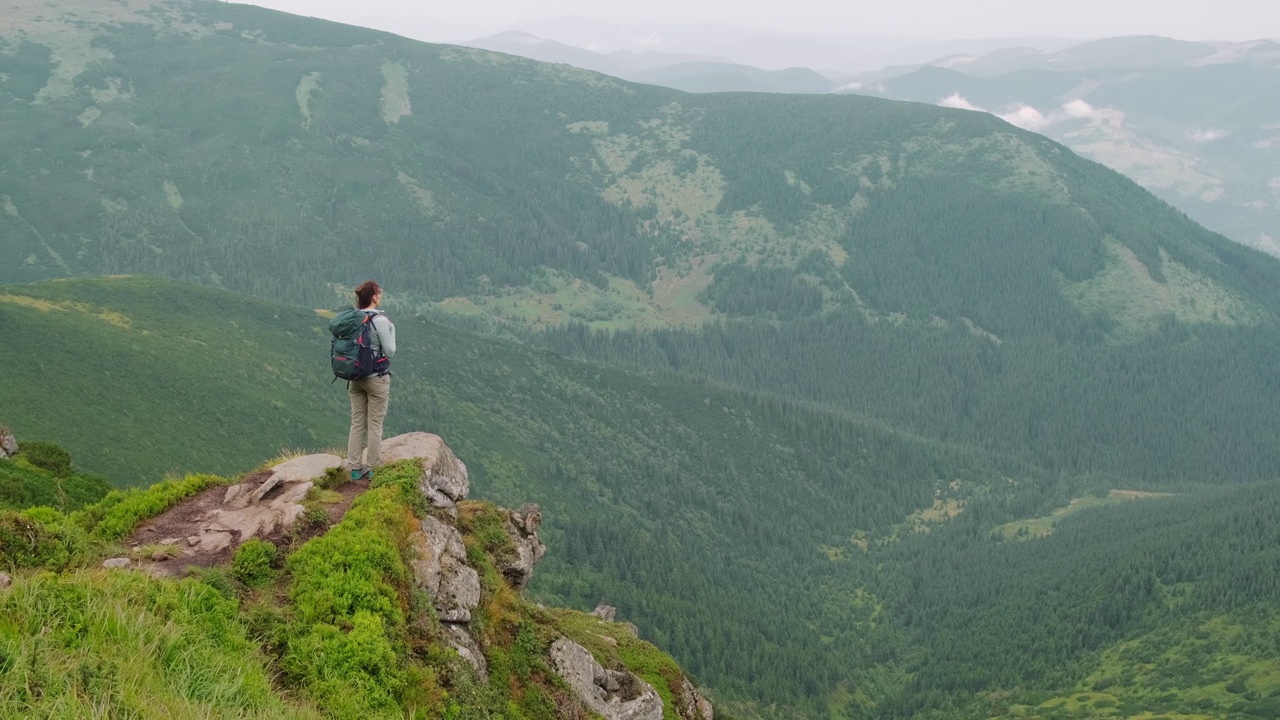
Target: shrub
{"points": [[352, 675], [252, 563], [38, 537], [47, 456]]}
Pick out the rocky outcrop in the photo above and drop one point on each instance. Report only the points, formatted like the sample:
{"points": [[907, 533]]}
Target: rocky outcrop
{"points": [[522, 528], [615, 694], [444, 478], [440, 569], [607, 613], [690, 704], [466, 646], [8, 443], [261, 506]]}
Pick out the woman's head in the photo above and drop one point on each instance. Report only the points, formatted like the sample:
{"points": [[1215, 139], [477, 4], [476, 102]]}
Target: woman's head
{"points": [[367, 293]]}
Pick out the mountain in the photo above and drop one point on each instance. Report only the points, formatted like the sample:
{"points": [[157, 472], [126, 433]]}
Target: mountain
{"points": [[620, 63], [727, 77], [687, 73], [1189, 121]]}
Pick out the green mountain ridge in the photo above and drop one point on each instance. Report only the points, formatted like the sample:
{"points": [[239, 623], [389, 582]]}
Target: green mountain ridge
{"points": [[479, 183]]}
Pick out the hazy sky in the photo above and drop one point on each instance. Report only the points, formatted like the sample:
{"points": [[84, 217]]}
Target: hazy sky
{"points": [[1185, 19]]}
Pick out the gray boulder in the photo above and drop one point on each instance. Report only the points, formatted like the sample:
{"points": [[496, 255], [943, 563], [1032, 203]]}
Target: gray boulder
{"points": [[8, 443], [690, 705], [522, 528], [459, 639], [444, 478], [119, 563], [5, 581], [605, 612], [440, 568], [617, 695]]}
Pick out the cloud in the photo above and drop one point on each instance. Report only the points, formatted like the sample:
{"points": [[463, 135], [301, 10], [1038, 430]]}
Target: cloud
{"points": [[1270, 143], [1027, 118], [1079, 109], [1207, 135], [958, 101]]}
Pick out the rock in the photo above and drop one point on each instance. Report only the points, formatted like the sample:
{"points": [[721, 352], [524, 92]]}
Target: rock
{"points": [[213, 541], [8, 443], [522, 528], [193, 540], [527, 518], [459, 639], [440, 569], [633, 698], [444, 478], [267, 486], [293, 493], [605, 612], [305, 468], [631, 628], [117, 563], [690, 705], [232, 493], [170, 541], [160, 556], [5, 581]]}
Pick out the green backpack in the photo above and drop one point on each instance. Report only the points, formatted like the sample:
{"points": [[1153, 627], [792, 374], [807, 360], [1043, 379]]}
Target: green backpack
{"points": [[351, 352]]}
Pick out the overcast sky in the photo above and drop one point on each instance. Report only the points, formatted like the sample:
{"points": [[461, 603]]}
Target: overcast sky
{"points": [[935, 19]]}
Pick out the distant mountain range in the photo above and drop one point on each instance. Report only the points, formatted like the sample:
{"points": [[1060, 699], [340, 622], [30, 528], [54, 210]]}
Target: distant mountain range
{"points": [[1196, 123], [691, 73]]}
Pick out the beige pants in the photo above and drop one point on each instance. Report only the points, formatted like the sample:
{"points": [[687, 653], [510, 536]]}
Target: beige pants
{"points": [[369, 399]]}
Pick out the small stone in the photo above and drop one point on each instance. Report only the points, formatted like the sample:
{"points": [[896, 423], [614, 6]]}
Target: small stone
{"points": [[232, 493], [170, 541], [5, 581], [119, 563], [160, 556], [193, 540]]}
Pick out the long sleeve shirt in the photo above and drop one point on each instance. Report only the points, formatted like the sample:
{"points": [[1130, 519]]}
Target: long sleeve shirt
{"points": [[384, 336]]}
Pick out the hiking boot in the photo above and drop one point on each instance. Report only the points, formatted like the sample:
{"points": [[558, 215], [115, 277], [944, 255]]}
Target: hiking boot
{"points": [[361, 474]]}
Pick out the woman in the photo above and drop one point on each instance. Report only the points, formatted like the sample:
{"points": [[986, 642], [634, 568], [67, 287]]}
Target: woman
{"points": [[370, 395]]}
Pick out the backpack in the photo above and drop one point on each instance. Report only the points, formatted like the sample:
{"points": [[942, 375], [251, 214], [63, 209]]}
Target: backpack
{"points": [[351, 352]]}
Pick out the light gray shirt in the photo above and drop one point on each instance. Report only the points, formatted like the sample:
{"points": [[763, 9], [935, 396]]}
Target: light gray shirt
{"points": [[384, 336]]}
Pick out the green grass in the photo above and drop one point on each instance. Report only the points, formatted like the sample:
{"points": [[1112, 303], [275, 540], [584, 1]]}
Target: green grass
{"points": [[1043, 526], [94, 644]]}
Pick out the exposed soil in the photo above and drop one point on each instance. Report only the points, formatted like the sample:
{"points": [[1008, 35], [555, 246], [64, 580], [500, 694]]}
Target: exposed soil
{"points": [[184, 520]]}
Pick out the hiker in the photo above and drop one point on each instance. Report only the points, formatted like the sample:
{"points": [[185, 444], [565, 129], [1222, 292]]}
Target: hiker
{"points": [[371, 394]]}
